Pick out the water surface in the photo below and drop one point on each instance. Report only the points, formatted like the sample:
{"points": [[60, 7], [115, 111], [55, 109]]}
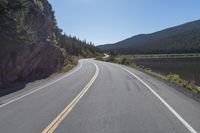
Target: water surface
{"points": [[187, 68]]}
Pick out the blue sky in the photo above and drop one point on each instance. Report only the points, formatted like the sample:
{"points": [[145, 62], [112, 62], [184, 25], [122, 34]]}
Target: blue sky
{"points": [[109, 21]]}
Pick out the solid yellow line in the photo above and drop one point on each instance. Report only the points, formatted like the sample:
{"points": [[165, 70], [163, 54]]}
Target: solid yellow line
{"points": [[55, 123]]}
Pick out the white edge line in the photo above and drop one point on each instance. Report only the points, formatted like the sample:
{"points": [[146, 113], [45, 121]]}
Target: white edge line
{"points": [[164, 102], [40, 88]]}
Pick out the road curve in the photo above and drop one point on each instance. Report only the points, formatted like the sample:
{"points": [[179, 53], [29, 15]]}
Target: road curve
{"points": [[99, 97]]}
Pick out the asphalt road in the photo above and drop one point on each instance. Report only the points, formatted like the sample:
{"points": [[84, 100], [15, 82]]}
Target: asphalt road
{"points": [[99, 97]]}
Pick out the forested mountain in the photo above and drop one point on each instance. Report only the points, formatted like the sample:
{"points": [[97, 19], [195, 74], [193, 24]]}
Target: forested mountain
{"points": [[180, 39], [31, 44]]}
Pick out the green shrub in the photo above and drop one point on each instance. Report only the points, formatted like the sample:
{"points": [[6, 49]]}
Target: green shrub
{"points": [[186, 84], [123, 60], [3, 3], [39, 4], [99, 58], [174, 78], [198, 90], [111, 59]]}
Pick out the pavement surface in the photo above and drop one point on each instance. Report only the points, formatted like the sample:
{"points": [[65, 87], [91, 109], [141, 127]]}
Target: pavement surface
{"points": [[99, 97]]}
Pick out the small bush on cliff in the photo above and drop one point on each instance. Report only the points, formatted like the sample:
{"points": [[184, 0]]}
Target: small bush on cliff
{"points": [[39, 4]]}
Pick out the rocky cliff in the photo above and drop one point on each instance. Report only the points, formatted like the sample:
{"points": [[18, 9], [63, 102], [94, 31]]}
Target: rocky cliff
{"points": [[28, 46]]}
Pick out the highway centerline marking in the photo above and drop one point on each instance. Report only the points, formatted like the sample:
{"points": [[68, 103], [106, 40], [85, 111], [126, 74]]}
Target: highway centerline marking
{"points": [[55, 123], [190, 128], [42, 87]]}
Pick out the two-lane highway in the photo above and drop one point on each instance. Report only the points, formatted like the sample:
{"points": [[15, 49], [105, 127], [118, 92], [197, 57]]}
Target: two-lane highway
{"points": [[100, 97]]}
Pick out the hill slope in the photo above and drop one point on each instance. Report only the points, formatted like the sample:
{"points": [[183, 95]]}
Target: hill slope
{"points": [[32, 46], [180, 39]]}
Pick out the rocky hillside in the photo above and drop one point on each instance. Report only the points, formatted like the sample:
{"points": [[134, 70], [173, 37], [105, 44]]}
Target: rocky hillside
{"points": [[29, 39]]}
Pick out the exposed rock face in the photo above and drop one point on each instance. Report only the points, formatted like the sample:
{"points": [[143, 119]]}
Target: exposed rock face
{"points": [[28, 46]]}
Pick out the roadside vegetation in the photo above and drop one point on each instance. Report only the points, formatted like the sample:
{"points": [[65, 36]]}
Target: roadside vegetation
{"points": [[172, 77], [71, 62], [157, 55]]}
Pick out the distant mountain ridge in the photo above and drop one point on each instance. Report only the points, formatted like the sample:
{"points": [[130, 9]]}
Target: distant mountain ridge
{"points": [[184, 38]]}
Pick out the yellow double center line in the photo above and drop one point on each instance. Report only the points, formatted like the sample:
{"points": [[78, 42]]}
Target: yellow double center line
{"points": [[55, 123]]}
